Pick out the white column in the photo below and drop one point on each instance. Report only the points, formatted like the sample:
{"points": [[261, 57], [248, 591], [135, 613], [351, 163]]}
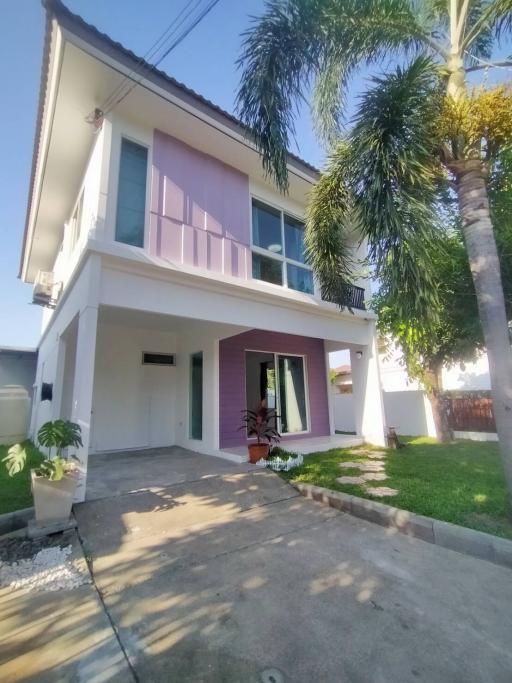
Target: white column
{"points": [[83, 387], [368, 402]]}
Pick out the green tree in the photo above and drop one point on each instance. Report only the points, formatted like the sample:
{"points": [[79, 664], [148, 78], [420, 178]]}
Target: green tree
{"points": [[455, 334], [420, 132]]}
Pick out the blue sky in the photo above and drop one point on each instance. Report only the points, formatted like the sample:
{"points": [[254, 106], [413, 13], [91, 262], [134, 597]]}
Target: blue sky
{"points": [[205, 61]]}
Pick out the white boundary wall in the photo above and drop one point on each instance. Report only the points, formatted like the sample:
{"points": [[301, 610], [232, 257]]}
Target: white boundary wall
{"points": [[14, 414], [408, 411], [344, 414]]}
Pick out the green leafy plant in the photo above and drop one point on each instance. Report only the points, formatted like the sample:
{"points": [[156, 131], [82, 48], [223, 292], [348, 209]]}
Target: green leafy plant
{"points": [[261, 424], [56, 436], [278, 452]]}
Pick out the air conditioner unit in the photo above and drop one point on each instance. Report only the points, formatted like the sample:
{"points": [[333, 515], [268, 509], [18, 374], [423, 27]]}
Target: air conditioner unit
{"points": [[45, 292]]}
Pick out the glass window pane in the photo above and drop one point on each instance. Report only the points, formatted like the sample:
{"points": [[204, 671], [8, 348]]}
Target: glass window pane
{"points": [[267, 269], [260, 380], [131, 195], [292, 394], [294, 239], [266, 227], [196, 396], [300, 279]]}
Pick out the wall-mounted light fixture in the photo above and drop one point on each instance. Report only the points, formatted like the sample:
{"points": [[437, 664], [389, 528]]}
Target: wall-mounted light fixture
{"points": [[359, 354]]}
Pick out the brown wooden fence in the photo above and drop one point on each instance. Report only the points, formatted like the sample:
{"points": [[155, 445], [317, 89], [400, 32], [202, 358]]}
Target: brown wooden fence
{"points": [[471, 414]]}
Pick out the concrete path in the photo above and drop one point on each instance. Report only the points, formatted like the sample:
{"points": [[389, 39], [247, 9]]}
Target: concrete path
{"points": [[235, 577], [58, 637], [110, 474]]}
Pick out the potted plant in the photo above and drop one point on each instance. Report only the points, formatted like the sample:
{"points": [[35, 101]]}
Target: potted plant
{"points": [[55, 479], [261, 424]]}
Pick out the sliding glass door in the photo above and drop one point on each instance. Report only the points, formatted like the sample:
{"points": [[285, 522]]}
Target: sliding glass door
{"points": [[292, 394], [278, 382]]}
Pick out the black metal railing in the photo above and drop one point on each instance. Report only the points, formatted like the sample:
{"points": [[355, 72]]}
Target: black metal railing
{"points": [[354, 298]]}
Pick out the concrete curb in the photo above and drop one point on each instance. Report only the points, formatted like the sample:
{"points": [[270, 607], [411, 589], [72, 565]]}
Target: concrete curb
{"points": [[12, 521], [458, 538]]}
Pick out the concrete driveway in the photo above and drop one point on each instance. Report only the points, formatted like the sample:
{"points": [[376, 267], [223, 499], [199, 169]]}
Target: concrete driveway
{"points": [[233, 577]]}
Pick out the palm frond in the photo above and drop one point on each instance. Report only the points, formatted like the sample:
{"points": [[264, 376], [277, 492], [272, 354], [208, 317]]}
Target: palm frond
{"points": [[492, 18], [330, 220], [383, 182], [300, 42]]}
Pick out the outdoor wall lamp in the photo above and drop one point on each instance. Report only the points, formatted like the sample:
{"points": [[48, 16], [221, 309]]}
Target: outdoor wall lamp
{"points": [[359, 354]]}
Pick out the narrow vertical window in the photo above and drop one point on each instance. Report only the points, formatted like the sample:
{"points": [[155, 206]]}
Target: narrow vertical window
{"points": [[196, 396], [131, 194]]}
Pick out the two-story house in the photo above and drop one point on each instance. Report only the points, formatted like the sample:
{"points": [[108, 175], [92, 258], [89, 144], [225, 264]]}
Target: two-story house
{"points": [[172, 271]]}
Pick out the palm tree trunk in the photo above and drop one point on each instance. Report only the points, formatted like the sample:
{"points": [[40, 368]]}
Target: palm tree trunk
{"points": [[438, 405], [470, 178]]}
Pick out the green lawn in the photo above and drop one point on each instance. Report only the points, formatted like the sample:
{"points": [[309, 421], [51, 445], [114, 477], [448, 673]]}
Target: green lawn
{"points": [[15, 491], [462, 482]]}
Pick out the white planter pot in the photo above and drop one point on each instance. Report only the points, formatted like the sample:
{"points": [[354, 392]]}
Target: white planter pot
{"points": [[53, 499]]}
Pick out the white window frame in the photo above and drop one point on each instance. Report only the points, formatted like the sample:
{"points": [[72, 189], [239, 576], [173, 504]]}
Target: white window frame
{"points": [[282, 258], [276, 354], [126, 135]]}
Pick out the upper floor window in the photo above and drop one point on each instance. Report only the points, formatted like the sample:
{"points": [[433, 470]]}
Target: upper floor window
{"points": [[76, 221], [131, 194], [278, 249]]}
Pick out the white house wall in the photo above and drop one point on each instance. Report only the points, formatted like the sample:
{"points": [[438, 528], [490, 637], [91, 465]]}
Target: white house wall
{"points": [[133, 404], [249, 309]]}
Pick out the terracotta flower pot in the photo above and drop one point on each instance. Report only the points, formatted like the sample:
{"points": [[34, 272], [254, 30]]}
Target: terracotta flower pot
{"points": [[53, 499], [257, 451]]}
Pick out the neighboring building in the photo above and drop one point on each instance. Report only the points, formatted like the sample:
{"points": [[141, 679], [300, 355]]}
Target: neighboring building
{"points": [[17, 376], [341, 379], [172, 269]]}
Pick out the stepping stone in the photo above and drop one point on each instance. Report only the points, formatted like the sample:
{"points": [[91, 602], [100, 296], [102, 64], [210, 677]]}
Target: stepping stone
{"points": [[374, 476], [364, 465], [359, 451], [381, 491], [376, 455], [373, 466], [350, 480]]}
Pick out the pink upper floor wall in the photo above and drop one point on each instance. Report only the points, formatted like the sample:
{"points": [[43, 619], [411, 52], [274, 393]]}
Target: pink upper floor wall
{"points": [[200, 209]]}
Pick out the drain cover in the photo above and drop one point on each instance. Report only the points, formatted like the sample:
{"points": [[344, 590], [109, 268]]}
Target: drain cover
{"points": [[271, 676]]}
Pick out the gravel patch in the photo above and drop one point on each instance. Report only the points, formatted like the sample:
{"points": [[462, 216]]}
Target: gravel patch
{"points": [[39, 566]]}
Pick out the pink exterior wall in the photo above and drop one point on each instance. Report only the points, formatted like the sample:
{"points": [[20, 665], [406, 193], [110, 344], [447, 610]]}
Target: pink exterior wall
{"points": [[199, 209], [232, 380]]}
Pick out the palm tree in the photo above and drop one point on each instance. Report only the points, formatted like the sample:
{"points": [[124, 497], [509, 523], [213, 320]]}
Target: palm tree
{"points": [[420, 138]]}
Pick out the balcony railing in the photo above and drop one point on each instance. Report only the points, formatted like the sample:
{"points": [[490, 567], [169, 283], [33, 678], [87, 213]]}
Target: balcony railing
{"points": [[354, 298]]}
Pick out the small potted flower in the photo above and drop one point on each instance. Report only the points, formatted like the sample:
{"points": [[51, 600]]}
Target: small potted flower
{"points": [[55, 479], [260, 423]]}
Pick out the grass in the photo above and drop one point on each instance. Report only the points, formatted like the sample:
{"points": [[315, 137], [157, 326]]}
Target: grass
{"points": [[15, 491], [461, 482]]}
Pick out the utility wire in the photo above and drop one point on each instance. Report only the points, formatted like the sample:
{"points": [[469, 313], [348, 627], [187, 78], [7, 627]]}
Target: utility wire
{"points": [[186, 31], [161, 40]]}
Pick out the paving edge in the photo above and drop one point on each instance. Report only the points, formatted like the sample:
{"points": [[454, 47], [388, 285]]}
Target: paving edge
{"points": [[461, 539], [17, 519]]}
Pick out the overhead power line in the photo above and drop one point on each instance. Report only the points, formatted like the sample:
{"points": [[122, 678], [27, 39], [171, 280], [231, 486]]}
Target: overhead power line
{"points": [[151, 52], [142, 69]]}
